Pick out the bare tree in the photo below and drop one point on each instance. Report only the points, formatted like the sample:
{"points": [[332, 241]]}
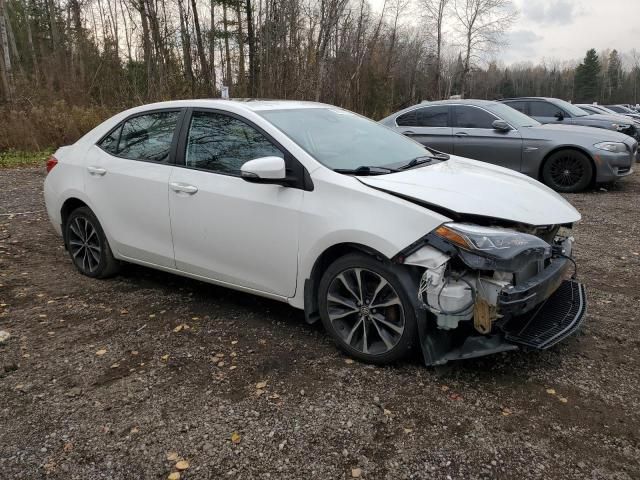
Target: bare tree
{"points": [[435, 12], [5, 63], [482, 24]]}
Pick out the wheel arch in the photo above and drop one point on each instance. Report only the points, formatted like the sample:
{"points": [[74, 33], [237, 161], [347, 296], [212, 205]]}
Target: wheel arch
{"points": [[322, 262], [68, 206], [575, 148]]}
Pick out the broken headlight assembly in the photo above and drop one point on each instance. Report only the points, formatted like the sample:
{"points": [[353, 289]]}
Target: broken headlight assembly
{"points": [[490, 248]]}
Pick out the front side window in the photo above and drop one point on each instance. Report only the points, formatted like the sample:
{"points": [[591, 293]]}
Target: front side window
{"points": [[544, 109], [519, 106], [222, 144], [471, 117], [437, 116], [409, 119], [144, 137]]}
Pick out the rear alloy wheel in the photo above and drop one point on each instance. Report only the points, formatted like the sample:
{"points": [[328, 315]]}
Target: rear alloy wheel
{"points": [[88, 246], [567, 171], [366, 310]]}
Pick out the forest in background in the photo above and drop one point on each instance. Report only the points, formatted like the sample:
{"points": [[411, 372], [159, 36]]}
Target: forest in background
{"points": [[66, 65]]}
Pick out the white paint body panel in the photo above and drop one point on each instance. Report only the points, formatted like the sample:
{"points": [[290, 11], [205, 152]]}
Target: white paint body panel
{"points": [[265, 239]]}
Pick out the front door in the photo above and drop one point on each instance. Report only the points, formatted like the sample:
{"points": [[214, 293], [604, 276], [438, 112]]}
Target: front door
{"points": [[428, 125], [474, 137], [225, 228]]}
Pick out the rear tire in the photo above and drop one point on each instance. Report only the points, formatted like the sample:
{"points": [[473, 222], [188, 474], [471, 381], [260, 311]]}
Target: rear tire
{"points": [[88, 246], [365, 308], [567, 171]]}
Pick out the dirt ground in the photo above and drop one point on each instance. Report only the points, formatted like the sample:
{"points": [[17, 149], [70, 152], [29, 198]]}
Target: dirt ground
{"points": [[98, 379]]}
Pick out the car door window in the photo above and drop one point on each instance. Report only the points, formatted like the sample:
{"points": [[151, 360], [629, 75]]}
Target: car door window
{"points": [[222, 144], [472, 117], [520, 106], [409, 119], [146, 137], [544, 109], [437, 116]]}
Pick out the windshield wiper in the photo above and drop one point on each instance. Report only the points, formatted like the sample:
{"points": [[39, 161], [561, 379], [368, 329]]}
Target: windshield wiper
{"points": [[424, 159], [366, 170]]}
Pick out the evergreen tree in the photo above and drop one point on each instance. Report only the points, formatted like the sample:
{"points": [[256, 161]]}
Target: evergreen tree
{"points": [[586, 78], [614, 74]]}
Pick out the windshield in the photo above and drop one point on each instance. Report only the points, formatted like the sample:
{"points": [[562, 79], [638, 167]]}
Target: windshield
{"points": [[512, 116], [340, 139], [571, 108]]}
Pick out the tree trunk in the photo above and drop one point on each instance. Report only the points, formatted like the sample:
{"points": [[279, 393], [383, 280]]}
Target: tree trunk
{"points": [[212, 49], [227, 52], [7, 72], [241, 76], [186, 47], [251, 39], [204, 67]]}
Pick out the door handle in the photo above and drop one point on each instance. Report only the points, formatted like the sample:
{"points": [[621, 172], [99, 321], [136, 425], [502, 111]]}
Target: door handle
{"points": [[409, 132], [96, 171], [461, 134], [183, 188]]}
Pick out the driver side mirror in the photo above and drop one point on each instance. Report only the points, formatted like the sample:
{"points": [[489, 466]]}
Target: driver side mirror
{"points": [[559, 116], [265, 170], [501, 125]]}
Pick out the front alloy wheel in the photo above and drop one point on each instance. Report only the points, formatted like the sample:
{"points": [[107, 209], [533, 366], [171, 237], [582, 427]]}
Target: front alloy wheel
{"points": [[567, 171], [364, 307]]}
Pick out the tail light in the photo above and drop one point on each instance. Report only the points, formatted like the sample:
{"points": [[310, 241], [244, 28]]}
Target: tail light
{"points": [[51, 162]]}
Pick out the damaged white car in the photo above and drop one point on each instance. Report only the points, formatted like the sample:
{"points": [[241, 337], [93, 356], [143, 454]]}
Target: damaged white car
{"points": [[393, 246]]}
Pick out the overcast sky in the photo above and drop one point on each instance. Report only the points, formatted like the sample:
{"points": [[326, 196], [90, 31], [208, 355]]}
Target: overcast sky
{"points": [[565, 29]]}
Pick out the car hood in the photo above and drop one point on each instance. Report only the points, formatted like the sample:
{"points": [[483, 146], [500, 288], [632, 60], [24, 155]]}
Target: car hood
{"points": [[602, 117], [566, 132], [470, 187]]}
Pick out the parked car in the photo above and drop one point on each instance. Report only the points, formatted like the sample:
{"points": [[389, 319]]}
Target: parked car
{"points": [[624, 110], [554, 110], [391, 245], [599, 109], [564, 158]]}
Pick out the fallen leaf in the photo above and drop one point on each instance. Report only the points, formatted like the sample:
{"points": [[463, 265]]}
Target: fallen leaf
{"points": [[178, 328], [134, 352], [444, 388], [165, 357], [408, 430], [124, 311], [235, 438], [68, 447], [348, 361], [115, 365], [261, 385], [153, 315], [232, 367], [551, 391], [386, 412], [101, 352], [506, 411], [356, 472], [172, 456], [182, 465], [174, 476], [221, 364], [234, 342], [563, 399], [134, 430]]}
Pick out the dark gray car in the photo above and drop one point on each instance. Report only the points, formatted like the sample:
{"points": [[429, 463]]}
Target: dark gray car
{"points": [[567, 158], [554, 110]]}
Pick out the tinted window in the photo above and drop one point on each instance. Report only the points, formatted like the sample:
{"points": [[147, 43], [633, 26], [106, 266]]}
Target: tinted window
{"points": [[543, 109], [148, 137], [616, 109], [220, 143], [520, 106], [437, 116], [110, 143], [472, 117], [409, 119]]}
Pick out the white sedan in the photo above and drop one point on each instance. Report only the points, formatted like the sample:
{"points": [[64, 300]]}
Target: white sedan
{"points": [[393, 246]]}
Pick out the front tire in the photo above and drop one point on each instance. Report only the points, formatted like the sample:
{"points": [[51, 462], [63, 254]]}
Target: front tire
{"points": [[567, 171], [88, 246], [365, 308]]}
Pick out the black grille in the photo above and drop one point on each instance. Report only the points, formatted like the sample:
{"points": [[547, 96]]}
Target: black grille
{"points": [[555, 319]]}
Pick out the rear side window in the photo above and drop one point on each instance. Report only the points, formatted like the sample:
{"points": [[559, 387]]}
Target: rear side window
{"points": [[222, 144], [437, 116], [409, 119], [144, 137], [544, 109], [471, 117]]}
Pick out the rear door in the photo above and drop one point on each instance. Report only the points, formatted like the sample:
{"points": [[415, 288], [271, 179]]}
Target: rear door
{"points": [[474, 137], [126, 179], [428, 125]]}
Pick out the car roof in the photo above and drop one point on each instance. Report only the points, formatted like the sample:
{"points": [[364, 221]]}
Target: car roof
{"points": [[465, 101], [243, 103], [549, 99]]}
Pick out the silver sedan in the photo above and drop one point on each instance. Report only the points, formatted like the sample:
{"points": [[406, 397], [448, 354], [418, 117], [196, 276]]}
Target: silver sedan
{"points": [[567, 158]]}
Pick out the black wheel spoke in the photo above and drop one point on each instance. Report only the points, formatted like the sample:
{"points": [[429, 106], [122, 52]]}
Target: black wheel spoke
{"points": [[84, 244]]}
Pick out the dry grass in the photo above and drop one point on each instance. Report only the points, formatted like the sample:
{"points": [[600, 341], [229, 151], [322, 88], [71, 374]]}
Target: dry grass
{"points": [[37, 128], [16, 158]]}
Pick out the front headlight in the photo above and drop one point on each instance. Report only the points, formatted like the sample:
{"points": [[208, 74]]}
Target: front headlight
{"points": [[620, 126], [615, 147], [485, 248]]}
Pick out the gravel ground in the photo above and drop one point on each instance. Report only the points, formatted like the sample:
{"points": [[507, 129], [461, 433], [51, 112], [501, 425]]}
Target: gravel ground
{"points": [[126, 377]]}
